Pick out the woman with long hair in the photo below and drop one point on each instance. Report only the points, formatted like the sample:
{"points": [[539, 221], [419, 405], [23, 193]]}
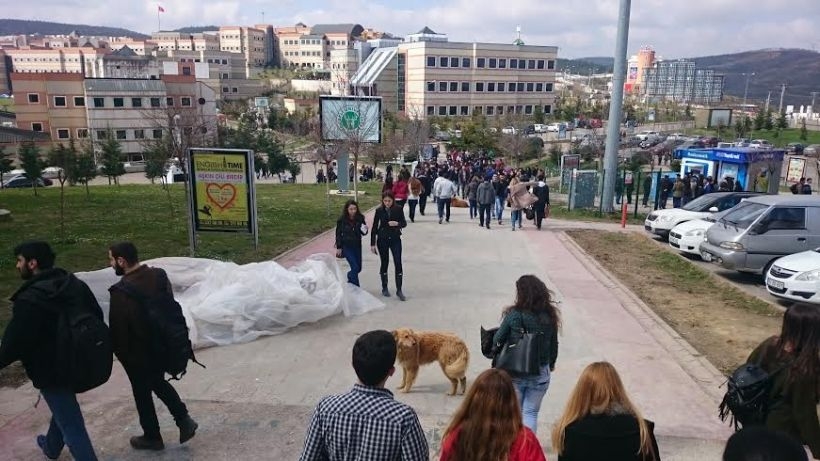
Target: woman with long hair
{"points": [[600, 422], [793, 362], [415, 190], [488, 427], [534, 312], [386, 238], [350, 227], [401, 190], [388, 185]]}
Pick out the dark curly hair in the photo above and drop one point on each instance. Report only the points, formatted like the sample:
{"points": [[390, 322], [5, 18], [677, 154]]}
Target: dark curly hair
{"points": [[532, 295]]}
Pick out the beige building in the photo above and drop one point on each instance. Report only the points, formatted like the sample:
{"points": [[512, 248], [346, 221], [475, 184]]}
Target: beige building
{"points": [[248, 41], [140, 47], [311, 47], [51, 103], [440, 78], [86, 61], [343, 66]]}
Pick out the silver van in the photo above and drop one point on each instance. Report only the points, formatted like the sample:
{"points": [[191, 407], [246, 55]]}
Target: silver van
{"points": [[753, 234]]}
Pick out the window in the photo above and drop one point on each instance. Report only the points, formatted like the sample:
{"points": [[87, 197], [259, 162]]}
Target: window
{"points": [[431, 86], [442, 110], [479, 86], [156, 134], [453, 110], [454, 62], [170, 101], [82, 133], [499, 110], [136, 102], [490, 110], [530, 87], [548, 87], [520, 87], [493, 63], [102, 134], [63, 133], [443, 61], [464, 110], [490, 86], [502, 63], [510, 110], [513, 64], [154, 102], [511, 87], [519, 109], [465, 62], [501, 87], [431, 110], [442, 86], [478, 110], [119, 102], [139, 134], [99, 102], [548, 109], [79, 101], [453, 87], [59, 101], [186, 70], [465, 87], [120, 134], [33, 98], [528, 110], [185, 101], [539, 87], [785, 218], [480, 62], [36, 126]]}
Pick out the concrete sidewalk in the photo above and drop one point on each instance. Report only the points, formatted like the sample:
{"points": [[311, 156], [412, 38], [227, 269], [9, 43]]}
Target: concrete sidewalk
{"points": [[254, 399]]}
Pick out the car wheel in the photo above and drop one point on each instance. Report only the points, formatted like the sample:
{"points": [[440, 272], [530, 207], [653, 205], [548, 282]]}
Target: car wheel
{"points": [[766, 270]]}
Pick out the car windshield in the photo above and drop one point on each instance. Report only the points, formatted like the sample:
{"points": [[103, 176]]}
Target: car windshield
{"points": [[744, 214], [702, 203]]}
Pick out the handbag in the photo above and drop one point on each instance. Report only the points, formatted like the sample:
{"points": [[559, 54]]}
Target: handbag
{"points": [[487, 341], [520, 356], [530, 213]]}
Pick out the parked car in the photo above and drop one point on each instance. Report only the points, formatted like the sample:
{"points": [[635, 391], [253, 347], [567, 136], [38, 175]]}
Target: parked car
{"points": [[570, 126], [795, 147], [760, 144], [687, 236], [509, 130], [22, 181], [553, 128], [762, 229], [661, 222], [796, 277], [676, 137], [648, 135], [742, 142], [540, 128], [710, 141], [725, 145], [812, 150]]}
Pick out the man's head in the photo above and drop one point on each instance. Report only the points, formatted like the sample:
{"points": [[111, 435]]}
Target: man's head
{"points": [[123, 257], [373, 357], [33, 257]]}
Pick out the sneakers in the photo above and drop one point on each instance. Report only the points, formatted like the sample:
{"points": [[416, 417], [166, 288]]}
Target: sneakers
{"points": [[41, 442], [187, 429], [144, 443], [439, 220]]}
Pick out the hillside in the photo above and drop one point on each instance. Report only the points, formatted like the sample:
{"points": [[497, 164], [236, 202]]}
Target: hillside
{"points": [[583, 67], [195, 29], [19, 26]]}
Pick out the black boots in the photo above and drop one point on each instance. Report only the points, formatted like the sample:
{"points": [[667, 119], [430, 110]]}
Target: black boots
{"points": [[187, 429], [144, 443], [385, 291], [399, 294]]}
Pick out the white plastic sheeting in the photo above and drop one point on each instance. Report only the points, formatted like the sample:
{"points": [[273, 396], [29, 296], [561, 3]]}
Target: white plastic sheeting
{"points": [[226, 303]]}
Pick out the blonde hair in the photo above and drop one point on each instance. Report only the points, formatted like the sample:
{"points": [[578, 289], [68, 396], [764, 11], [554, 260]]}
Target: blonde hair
{"points": [[599, 390]]}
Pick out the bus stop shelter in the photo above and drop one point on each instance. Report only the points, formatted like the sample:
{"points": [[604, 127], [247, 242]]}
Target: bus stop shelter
{"points": [[755, 169]]}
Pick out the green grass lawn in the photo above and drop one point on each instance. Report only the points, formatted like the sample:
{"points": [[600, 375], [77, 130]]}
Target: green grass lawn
{"points": [[289, 214], [785, 137], [559, 211]]}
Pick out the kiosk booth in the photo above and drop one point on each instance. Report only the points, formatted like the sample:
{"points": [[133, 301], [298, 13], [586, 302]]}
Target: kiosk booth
{"points": [[748, 166]]}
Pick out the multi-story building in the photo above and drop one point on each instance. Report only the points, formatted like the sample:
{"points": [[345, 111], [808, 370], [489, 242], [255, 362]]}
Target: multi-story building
{"points": [[636, 66], [440, 78], [86, 61], [343, 66], [126, 63], [140, 47], [680, 81], [53, 104], [248, 41], [5, 72], [223, 71], [286, 50], [310, 47]]}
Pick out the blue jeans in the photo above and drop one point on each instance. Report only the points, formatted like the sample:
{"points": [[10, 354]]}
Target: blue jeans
{"points": [[353, 255], [444, 206], [67, 426], [531, 391], [515, 215], [499, 207], [473, 208]]}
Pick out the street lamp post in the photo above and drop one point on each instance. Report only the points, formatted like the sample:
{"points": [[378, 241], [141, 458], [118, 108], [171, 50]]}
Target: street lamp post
{"points": [[746, 90]]}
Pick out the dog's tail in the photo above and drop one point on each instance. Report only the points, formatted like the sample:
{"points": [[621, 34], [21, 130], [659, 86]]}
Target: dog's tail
{"points": [[458, 367]]}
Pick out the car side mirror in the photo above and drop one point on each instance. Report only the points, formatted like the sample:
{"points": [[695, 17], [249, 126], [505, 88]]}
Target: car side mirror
{"points": [[714, 209]]}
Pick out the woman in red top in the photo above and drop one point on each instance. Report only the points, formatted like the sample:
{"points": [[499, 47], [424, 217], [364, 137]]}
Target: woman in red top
{"points": [[401, 189], [488, 426]]}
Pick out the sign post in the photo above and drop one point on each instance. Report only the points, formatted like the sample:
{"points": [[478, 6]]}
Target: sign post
{"points": [[222, 196]]}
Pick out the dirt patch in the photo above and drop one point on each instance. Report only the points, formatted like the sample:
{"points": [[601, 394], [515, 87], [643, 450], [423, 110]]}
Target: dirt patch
{"points": [[13, 375], [717, 319]]}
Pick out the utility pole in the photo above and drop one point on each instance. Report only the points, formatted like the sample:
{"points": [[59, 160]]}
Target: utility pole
{"points": [[813, 98], [613, 138], [746, 91], [768, 100], [782, 93]]}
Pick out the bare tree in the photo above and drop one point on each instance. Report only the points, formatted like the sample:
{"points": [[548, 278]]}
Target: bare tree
{"points": [[326, 154]]}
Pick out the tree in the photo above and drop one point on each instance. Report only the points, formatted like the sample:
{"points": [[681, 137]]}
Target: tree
{"points": [[111, 158], [294, 168], [85, 169], [739, 128], [720, 127], [538, 114], [747, 126], [6, 164], [804, 133], [782, 123], [768, 124], [156, 154], [31, 162], [65, 159], [760, 120]]}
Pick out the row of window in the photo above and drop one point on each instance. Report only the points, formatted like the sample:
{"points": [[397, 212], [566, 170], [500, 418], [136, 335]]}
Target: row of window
{"points": [[304, 53], [82, 133], [489, 87], [314, 42], [451, 62], [79, 101], [444, 111]]}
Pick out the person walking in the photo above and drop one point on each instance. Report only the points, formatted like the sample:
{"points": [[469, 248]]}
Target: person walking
{"points": [[792, 359], [385, 239], [366, 423], [400, 188], [519, 198], [542, 191], [677, 192], [426, 189], [472, 190], [388, 185], [488, 424], [445, 190], [500, 186], [350, 227], [600, 422], [416, 189], [806, 187], [647, 189], [131, 340], [666, 190], [31, 337], [533, 311], [485, 196]]}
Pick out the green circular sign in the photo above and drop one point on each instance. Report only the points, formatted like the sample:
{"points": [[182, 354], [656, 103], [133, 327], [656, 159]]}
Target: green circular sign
{"points": [[350, 119]]}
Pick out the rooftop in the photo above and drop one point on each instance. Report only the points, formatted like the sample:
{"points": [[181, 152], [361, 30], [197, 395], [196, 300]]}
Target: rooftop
{"points": [[353, 30], [124, 85], [373, 66]]}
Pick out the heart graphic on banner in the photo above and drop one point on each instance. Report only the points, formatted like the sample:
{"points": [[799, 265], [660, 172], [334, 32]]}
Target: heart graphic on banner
{"points": [[222, 195]]}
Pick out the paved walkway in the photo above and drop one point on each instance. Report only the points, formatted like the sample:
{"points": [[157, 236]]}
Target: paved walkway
{"points": [[254, 399]]}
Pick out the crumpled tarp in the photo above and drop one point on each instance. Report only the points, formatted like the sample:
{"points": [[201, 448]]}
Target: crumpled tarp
{"points": [[226, 303]]}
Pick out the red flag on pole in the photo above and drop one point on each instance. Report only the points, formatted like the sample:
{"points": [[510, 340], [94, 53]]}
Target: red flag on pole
{"points": [[160, 9]]}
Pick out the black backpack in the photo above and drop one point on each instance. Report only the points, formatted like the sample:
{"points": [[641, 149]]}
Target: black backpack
{"points": [[747, 399], [84, 353], [169, 345]]}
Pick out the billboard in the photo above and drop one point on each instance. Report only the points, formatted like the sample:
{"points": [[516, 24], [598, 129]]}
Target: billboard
{"points": [[222, 192], [797, 167], [720, 117], [346, 118]]}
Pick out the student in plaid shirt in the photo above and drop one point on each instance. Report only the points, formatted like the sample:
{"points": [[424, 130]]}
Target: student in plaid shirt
{"points": [[366, 424]]}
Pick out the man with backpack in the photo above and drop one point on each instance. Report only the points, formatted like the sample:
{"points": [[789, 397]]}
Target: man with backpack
{"points": [[140, 344], [40, 335]]}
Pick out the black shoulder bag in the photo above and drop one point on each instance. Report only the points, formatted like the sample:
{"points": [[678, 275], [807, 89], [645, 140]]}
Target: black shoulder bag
{"points": [[520, 355]]}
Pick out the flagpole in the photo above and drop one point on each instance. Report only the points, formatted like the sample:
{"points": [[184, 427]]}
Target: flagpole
{"points": [[159, 29]]}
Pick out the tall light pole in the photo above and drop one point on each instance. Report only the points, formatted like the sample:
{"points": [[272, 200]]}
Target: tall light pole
{"points": [[746, 91], [613, 136]]}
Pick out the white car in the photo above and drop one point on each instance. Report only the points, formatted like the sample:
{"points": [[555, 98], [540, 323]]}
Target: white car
{"points": [[648, 136], [760, 144], [796, 277], [661, 222], [686, 236], [553, 128], [508, 130], [676, 137]]}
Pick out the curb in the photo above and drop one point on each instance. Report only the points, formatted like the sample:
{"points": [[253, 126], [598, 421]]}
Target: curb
{"points": [[695, 364]]}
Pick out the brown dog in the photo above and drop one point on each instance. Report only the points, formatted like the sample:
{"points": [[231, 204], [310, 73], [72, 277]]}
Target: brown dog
{"points": [[422, 347]]}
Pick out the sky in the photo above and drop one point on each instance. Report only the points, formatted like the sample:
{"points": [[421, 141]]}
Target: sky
{"points": [[675, 28]]}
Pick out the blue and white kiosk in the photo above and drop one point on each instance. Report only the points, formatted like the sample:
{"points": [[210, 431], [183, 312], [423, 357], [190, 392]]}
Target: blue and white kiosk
{"points": [[744, 164]]}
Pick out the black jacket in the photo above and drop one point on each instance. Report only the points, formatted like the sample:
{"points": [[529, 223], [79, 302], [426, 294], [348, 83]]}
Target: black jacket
{"points": [[31, 335], [543, 194], [606, 437], [426, 184], [381, 229], [349, 233]]}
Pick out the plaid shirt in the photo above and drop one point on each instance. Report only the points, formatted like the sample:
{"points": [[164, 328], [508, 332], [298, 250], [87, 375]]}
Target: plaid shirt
{"points": [[365, 424]]}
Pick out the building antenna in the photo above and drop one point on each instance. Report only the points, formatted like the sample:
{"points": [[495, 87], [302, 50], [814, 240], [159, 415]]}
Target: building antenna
{"points": [[518, 40], [263, 16]]}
